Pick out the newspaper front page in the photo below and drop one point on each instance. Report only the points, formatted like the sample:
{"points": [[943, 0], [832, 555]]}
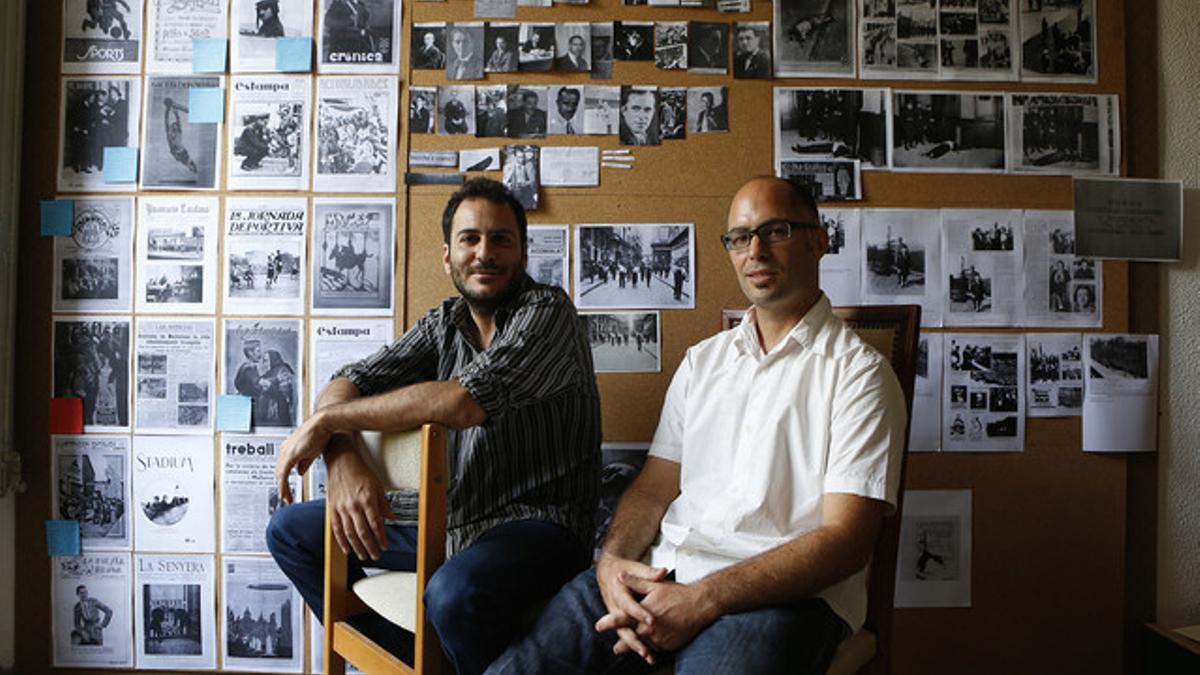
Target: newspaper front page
{"points": [[984, 397], [264, 255], [256, 27], [249, 494], [91, 362], [263, 629], [173, 494], [338, 342], [356, 134], [101, 37], [176, 369], [92, 617], [97, 113], [93, 267], [91, 479], [177, 255], [171, 26], [269, 132], [178, 154], [262, 361], [174, 604], [353, 255]]}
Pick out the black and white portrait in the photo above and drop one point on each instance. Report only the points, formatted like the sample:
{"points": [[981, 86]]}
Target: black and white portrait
{"points": [[895, 266], [639, 115], [422, 109], [491, 111], [948, 131], [566, 110], [602, 50], [464, 51], [623, 342], [970, 290], [500, 47], [262, 359], [428, 46], [634, 41], [814, 37], [91, 362], [97, 113], [708, 47], [456, 109], [527, 111], [359, 36], [752, 50], [839, 123], [708, 109], [635, 266], [177, 153], [572, 47], [522, 173]]}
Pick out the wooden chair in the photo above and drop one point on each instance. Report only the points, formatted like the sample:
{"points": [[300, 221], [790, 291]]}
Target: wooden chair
{"points": [[404, 460]]}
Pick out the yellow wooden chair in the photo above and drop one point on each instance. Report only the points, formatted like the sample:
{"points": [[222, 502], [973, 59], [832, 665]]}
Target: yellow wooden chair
{"points": [[402, 460]]}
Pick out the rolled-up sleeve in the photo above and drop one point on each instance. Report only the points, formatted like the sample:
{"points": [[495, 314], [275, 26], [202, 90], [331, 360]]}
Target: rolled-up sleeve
{"points": [[410, 359], [537, 355]]}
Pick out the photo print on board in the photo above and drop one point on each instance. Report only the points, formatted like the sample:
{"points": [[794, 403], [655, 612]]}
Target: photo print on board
{"points": [[527, 111], [833, 123], [948, 131], [456, 109], [464, 51], [639, 115], [814, 38], [623, 342], [358, 36], [671, 45], [422, 109], [178, 154], [752, 50], [429, 46], [500, 45], [1058, 41], [97, 113], [708, 47], [491, 111], [645, 266], [572, 47], [536, 51]]}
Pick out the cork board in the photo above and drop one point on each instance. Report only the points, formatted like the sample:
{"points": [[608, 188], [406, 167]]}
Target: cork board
{"points": [[1048, 523]]}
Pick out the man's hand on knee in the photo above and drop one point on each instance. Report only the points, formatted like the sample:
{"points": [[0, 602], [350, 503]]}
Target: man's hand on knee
{"points": [[358, 505], [680, 610], [614, 576]]}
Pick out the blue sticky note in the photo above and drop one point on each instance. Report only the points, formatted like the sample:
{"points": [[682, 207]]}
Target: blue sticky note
{"points": [[57, 216], [208, 55], [206, 105], [120, 164], [233, 412], [293, 54], [62, 537]]}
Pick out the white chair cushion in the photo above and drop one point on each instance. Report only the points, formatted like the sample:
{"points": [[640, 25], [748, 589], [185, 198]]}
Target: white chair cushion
{"points": [[854, 653], [393, 595]]}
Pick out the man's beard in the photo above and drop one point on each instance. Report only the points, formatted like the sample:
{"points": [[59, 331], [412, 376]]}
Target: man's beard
{"points": [[487, 305]]}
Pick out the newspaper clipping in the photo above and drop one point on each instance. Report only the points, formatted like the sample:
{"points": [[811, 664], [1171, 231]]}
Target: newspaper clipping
{"points": [[173, 494], [101, 37], [93, 267], [978, 39], [623, 342], [948, 131], [933, 567], [91, 474], [1055, 374], [176, 359], [92, 619], [981, 256], [1058, 41], [828, 180], [1061, 289], [549, 262], [1120, 406], [358, 36], [170, 28], [177, 255], [97, 113], [902, 259], [257, 26], [249, 494], [176, 626], [898, 39], [833, 123], [841, 266], [570, 166], [984, 405], [1064, 134], [91, 362], [925, 430], [178, 154], [338, 342], [268, 132], [262, 361], [356, 134], [262, 630], [649, 266], [264, 255], [353, 254]]}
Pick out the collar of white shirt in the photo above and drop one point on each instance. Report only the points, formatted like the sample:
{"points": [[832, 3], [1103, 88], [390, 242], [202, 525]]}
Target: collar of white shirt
{"points": [[806, 333]]}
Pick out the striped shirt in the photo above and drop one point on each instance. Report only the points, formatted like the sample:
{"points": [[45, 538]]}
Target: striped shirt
{"points": [[537, 455]]}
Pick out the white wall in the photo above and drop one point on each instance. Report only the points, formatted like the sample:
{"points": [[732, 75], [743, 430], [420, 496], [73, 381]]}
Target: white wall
{"points": [[1179, 428]]}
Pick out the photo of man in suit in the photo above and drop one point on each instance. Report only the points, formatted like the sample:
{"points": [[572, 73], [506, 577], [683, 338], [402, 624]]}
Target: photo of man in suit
{"points": [[639, 116], [465, 58], [527, 119], [427, 55], [751, 60], [574, 58]]}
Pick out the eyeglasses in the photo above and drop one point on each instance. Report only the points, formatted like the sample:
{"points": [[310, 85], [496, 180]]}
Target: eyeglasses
{"points": [[770, 232]]}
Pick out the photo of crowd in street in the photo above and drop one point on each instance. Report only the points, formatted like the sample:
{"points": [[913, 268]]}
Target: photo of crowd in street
{"points": [[623, 342], [643, 266]]}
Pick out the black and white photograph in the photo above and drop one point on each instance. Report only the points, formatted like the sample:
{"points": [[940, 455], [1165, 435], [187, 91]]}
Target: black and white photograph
{"points": [[933, 567], [1118, 358], [751, 50], [992, 367], [422, 109], [268, 132], [456, 109], [1064, 134], [93, 266], [602, 50], [491, 111], [620, 463], [262, 629], [671, 45], [877, 55], [639, 115], [358, 36], [841, 266], [708, 47], [171, 28], [566, 110], [1055, 374], [707, 110], [643, 266], [464, 50], [527, 110], [101, 37], [902, 260], [174, 364], [174, 599], [572, 47], [173, 494], [522, 173], [834, 123], [500, 41], [356, 134], [353, 251], [262, 361], [602, 105], [91, 478], [948, 131], [624, 342], [549, 259], [92, 618], [97, 113], [932, 552], [264, 255], [257, 25], [177, 154], [429, 46], [673, 113], [1120, 404], [1058, 41], [814, 38], [536, 49], [91, 362], [633, 41], [828, 180]]}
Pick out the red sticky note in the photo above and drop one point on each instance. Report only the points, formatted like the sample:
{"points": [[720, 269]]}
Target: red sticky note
{"points": [[66, 416]]}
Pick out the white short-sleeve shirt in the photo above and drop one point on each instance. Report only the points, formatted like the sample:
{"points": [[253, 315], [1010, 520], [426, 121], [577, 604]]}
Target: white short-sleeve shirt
{"points": [[760, 438]]}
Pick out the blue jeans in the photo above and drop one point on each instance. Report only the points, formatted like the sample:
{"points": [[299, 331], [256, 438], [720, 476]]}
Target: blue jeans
{"points": [[473, 600], [797, 638]]}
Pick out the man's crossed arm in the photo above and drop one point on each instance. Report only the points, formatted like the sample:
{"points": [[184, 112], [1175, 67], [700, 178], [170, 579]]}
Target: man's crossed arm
{"points": [[668, 614]]}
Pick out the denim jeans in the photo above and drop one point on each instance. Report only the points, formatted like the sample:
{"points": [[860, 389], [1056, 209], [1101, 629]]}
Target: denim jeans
{"points": [[799, 638], [475, 598]]}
